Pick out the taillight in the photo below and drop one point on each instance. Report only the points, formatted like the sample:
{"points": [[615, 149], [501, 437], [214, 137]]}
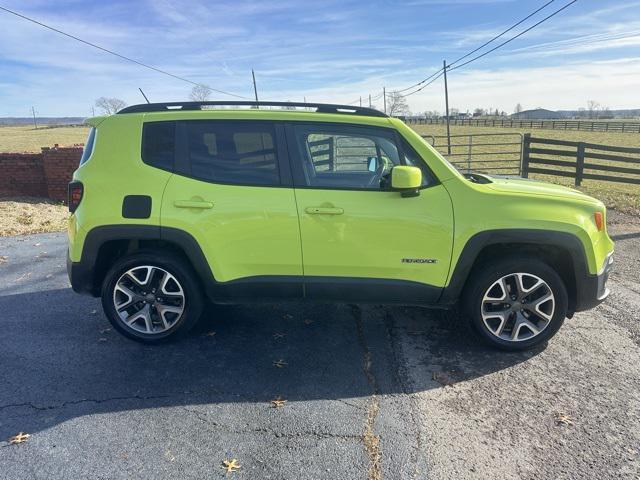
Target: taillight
{"points": [[75, 195], [599, 220]]}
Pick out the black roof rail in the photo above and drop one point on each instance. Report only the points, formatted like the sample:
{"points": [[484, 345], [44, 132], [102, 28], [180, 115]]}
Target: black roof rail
{"points": [[320, 107]]}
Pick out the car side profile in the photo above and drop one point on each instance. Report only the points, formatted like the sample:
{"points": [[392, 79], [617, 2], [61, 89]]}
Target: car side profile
{"points": [[177, 203]]}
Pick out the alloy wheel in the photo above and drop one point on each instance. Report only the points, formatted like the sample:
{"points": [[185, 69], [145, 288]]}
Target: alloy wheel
{"points": [[148, 299], [518, 307]]}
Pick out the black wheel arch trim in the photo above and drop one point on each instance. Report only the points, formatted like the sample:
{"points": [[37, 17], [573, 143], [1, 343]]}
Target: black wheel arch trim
{"points": [[586, 284], [82, 273]]}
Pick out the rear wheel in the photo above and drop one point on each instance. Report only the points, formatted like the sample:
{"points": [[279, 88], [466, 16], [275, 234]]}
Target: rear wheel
{"points": [[515, 304], [151, 296]]}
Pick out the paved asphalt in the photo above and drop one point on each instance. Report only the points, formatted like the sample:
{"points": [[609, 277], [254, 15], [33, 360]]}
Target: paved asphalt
{"points": [[372, 392]]}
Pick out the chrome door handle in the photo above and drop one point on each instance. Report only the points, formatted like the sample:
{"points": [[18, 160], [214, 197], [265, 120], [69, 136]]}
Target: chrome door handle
{"points": [[324, 211], [192, 204]]}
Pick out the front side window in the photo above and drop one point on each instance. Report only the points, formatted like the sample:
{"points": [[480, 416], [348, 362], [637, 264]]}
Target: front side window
{"points": [[241, 153], [346, 157]]}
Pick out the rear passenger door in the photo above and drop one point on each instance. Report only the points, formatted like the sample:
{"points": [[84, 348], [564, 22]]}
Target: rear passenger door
{"points": [[231, 190]]}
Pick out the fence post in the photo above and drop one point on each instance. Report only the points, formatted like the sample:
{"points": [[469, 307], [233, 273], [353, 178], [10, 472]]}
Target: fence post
{"points": [[469, 147], [526, 145], [579, 163]]}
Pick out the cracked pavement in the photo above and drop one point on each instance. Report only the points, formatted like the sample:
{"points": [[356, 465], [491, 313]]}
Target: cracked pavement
{"points": [[372, 392]]}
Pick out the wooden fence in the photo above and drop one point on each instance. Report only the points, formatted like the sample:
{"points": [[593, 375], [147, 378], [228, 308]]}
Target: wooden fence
{"points": [[581, 161], [584, 125]]}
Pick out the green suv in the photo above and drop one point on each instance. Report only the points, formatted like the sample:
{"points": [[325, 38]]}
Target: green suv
{"points": [[177, 202]]}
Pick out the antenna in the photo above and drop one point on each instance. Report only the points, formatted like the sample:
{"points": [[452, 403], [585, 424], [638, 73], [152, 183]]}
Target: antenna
{"points": [[145, 97]]}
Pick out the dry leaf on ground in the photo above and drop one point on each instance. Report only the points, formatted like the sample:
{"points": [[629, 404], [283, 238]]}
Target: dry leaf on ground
{"points": [[279, 363], [19, 438], [278, 402], [562, 418], [230, 465], [279, 335]]}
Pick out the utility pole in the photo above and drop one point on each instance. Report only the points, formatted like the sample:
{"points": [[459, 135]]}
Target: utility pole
{"points": [[255, 89], [369, 100], [446, 102], [384, 95], [93, 112], [360, 101], [33, 111]]}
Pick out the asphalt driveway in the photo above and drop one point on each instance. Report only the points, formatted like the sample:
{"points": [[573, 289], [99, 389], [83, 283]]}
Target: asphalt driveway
{"points": [[371, 392]]}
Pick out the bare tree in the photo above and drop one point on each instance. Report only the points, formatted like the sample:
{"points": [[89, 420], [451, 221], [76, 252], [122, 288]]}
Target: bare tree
{"points": [[109, 106], [200, 93], [518, 108], [397, 104], [592, 108]]}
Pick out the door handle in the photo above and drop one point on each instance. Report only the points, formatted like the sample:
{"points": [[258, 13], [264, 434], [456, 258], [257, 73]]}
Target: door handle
{"points": [[192, 204], [324, 211]]}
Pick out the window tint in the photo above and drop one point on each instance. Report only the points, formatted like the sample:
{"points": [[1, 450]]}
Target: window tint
{"points": [[88, 146], [346, 157], [238, 153], [158, 144]]}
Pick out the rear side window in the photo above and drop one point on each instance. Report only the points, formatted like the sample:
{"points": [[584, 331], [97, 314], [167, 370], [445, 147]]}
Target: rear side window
{"points": [[158, 144], [88, 146], [242, 153]]}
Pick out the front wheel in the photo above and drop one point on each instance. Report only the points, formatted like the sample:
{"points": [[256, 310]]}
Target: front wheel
{"points": [[515, 304], [151, 296]]}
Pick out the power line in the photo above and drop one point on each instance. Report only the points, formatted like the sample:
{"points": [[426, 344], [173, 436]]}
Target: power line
{"points": [[501, 34], [514, 37], [419, 83], [164, 72], [440, 72]]}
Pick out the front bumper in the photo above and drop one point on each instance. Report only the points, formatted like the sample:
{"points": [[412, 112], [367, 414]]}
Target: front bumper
{"points": [[592, 290]]}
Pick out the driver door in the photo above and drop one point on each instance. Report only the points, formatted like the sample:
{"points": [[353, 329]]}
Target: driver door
{"points": [[360, 239]]}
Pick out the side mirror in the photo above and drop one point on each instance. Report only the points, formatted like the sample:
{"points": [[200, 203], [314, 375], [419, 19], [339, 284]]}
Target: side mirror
{"points": [[407, 180]]}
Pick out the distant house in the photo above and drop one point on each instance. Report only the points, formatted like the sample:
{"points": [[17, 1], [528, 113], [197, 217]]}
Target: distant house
{"points": [[536, 114]]}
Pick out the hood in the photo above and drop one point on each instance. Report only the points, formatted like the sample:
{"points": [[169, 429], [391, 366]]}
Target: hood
{"points": [[507, 184]]}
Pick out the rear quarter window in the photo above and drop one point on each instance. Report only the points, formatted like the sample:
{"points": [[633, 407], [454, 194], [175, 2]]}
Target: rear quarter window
{"points": [[88, 146], [158, 144]]}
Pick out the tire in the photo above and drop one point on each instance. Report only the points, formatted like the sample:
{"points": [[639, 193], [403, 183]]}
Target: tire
{"points": [[528, 313], [152, 296]]}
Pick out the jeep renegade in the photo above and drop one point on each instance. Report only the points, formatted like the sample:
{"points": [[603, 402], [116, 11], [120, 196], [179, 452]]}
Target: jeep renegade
{"points": [[177, 202]]}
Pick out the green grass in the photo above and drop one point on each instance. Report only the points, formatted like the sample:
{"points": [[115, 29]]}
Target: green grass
{"points": [[620, 196], [25, 138]]}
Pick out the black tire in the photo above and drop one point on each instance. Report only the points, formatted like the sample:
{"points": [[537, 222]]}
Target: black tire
{"points": [[192, 303], [485, 275]]}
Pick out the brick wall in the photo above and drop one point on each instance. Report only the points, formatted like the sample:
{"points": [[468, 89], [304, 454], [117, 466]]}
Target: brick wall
{"points": [[44, 174], [59, 164]]}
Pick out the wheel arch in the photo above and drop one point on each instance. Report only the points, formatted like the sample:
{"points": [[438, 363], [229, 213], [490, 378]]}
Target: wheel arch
{"points": [[104, 244], [561, 250]]}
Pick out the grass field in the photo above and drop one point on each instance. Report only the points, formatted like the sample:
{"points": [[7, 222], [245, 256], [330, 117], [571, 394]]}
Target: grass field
{"points": [[624, 197], [24, 138]]}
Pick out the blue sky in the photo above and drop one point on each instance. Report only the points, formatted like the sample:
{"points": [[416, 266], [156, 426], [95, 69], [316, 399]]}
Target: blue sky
{"points": [[329, 51]]}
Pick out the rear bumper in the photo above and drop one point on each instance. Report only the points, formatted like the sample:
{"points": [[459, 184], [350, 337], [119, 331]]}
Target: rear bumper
{"points": [[80, 277], [592, 290]]}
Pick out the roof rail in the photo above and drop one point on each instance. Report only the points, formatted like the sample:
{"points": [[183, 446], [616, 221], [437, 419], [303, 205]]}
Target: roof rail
{"points": [[319, 107]]}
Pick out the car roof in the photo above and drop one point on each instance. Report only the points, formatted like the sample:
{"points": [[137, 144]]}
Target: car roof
{"points": [[254, 107]]}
